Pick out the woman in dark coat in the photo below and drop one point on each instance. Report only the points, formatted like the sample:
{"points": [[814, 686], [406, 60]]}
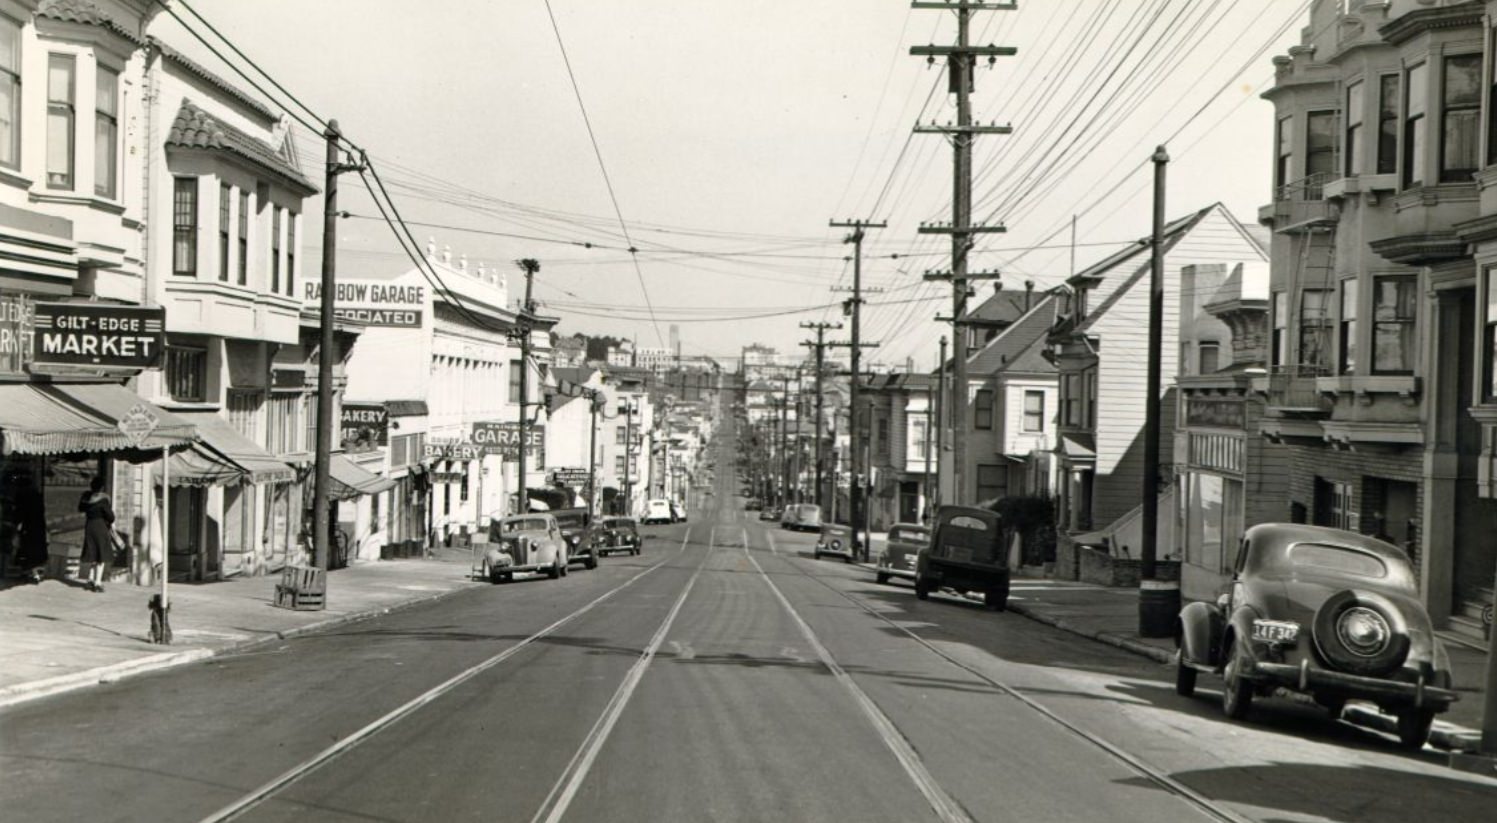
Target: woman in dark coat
{"points": [[98, 547]]}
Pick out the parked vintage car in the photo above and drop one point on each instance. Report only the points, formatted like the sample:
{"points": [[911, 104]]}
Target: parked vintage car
{"points": [[658, 511], [574, 530], [801, 517], [770, 513], [525, 543], [968, 552], [835, 540], [901, 551], [678, 511], [1324, 612], [616, 534], [753, 504]]}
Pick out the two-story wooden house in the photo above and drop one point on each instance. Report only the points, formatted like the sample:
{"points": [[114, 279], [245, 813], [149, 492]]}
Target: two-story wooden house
{"points": [[1099, 345]]}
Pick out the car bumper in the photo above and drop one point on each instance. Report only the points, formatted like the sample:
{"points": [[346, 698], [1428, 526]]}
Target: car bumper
{"points": [[845, 551], [1305, 677], [896, 572]]}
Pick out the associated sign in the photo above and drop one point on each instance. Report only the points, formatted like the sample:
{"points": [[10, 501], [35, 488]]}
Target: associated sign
{"points": [[504, 439], [570, 476], [365, 426], [378, 303], [93, 334], [138, 423]]}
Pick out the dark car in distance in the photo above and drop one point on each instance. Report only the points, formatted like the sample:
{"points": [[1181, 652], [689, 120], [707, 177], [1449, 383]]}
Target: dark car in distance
{"points": [[901, 551], [967, 553], [769, 513], [616, 534], [574, 530], [1324, 612]]}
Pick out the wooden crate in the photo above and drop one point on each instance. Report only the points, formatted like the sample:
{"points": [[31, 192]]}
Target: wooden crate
{"points": [[302, 588]]}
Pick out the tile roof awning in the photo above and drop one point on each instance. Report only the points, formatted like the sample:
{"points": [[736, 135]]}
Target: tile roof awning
{"points": [[194, 128], [259, 465], [350, 480], [47, 418]]}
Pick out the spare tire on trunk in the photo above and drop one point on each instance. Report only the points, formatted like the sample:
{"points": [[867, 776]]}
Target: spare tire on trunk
{"points": [[1361, 633]]}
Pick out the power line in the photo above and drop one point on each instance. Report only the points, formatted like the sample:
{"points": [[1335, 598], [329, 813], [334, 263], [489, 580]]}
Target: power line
{"points": [[613, 198]]}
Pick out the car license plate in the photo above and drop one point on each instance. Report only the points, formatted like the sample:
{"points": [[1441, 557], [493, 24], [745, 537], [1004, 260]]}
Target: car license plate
{"points": [[1275, 631]]}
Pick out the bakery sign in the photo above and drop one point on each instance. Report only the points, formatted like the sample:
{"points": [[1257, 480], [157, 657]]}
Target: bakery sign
{"points": [[366, 426], [376, 303], [95, 334]]}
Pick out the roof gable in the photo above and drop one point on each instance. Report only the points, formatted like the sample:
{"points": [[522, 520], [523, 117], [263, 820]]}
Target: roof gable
{"points": [[194, 128], [1003, 351]]}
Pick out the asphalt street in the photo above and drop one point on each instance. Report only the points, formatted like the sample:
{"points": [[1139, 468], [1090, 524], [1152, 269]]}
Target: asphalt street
{"points": [[723, 674]]}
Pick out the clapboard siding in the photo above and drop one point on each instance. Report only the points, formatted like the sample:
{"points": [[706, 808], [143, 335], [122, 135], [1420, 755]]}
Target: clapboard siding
{"points": [[1122, 370]]}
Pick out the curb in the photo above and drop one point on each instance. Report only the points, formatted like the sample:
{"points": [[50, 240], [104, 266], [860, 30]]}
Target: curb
{"points": [[103, 675], [1446, 736], [1140, 648]]}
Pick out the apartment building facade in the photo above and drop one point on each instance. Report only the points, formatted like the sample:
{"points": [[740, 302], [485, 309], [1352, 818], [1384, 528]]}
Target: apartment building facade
{"points": [[1383, 219]]}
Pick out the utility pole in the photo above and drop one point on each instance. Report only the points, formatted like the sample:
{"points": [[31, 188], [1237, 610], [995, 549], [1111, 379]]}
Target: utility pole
{"points": [[321, 484], [593, 397], [784, 441], [1158, 600], [628, 455], [855, 511], [820, 345], [961, 61], [940, 421], [527, 309]]}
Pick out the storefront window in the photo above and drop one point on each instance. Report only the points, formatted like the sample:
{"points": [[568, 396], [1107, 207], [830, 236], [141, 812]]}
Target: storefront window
{"points": [[1213, 520]]}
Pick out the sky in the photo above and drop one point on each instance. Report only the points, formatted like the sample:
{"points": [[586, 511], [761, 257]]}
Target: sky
{"points": [[731, 133]]}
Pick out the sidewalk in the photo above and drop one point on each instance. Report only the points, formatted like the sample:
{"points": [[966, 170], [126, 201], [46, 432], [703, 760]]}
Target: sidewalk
{"points": [[1110, 615], [61, 637]]}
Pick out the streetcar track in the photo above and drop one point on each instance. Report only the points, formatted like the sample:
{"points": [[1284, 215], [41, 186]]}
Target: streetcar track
{"points": [[946, 807], [1154, 775], [564, 790], [286, 779]]}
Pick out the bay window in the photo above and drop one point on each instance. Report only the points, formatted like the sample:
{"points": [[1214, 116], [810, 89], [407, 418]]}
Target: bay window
{"points": [[1413, 128], [1354, 128], [243, 237], [1314, 328], [1387, 124], [106, 131], [62, 116], [1284, 154], [1280, 328], [225, 195], [1489, 339], [1348, 348], [1394, 313], [10, 93], [1034, 411], [185, 226], [1089, 384], [1320, 146], [982, 410], [290, 253], [1460, 132], [275, 249]]}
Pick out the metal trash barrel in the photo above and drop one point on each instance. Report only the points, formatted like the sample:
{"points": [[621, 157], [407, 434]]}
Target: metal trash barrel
{"points": [[1158, 607]]}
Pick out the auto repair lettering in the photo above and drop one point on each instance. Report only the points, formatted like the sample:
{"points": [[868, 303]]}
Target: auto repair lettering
{"points": [[98, 335], [372, 302]]}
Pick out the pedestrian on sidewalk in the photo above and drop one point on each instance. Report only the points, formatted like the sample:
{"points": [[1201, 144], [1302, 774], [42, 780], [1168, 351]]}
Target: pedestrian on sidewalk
{"points": [[98, 530]]}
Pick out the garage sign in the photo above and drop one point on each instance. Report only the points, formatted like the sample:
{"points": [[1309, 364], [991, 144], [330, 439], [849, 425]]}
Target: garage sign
{"points": [[91, 334]]}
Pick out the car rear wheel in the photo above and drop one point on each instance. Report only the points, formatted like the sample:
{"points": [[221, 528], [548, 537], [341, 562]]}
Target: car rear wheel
{"points": [[995, 599], [1413, 728], [922, 588], [1185, 676], [1237, 691], [882, 578]]}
